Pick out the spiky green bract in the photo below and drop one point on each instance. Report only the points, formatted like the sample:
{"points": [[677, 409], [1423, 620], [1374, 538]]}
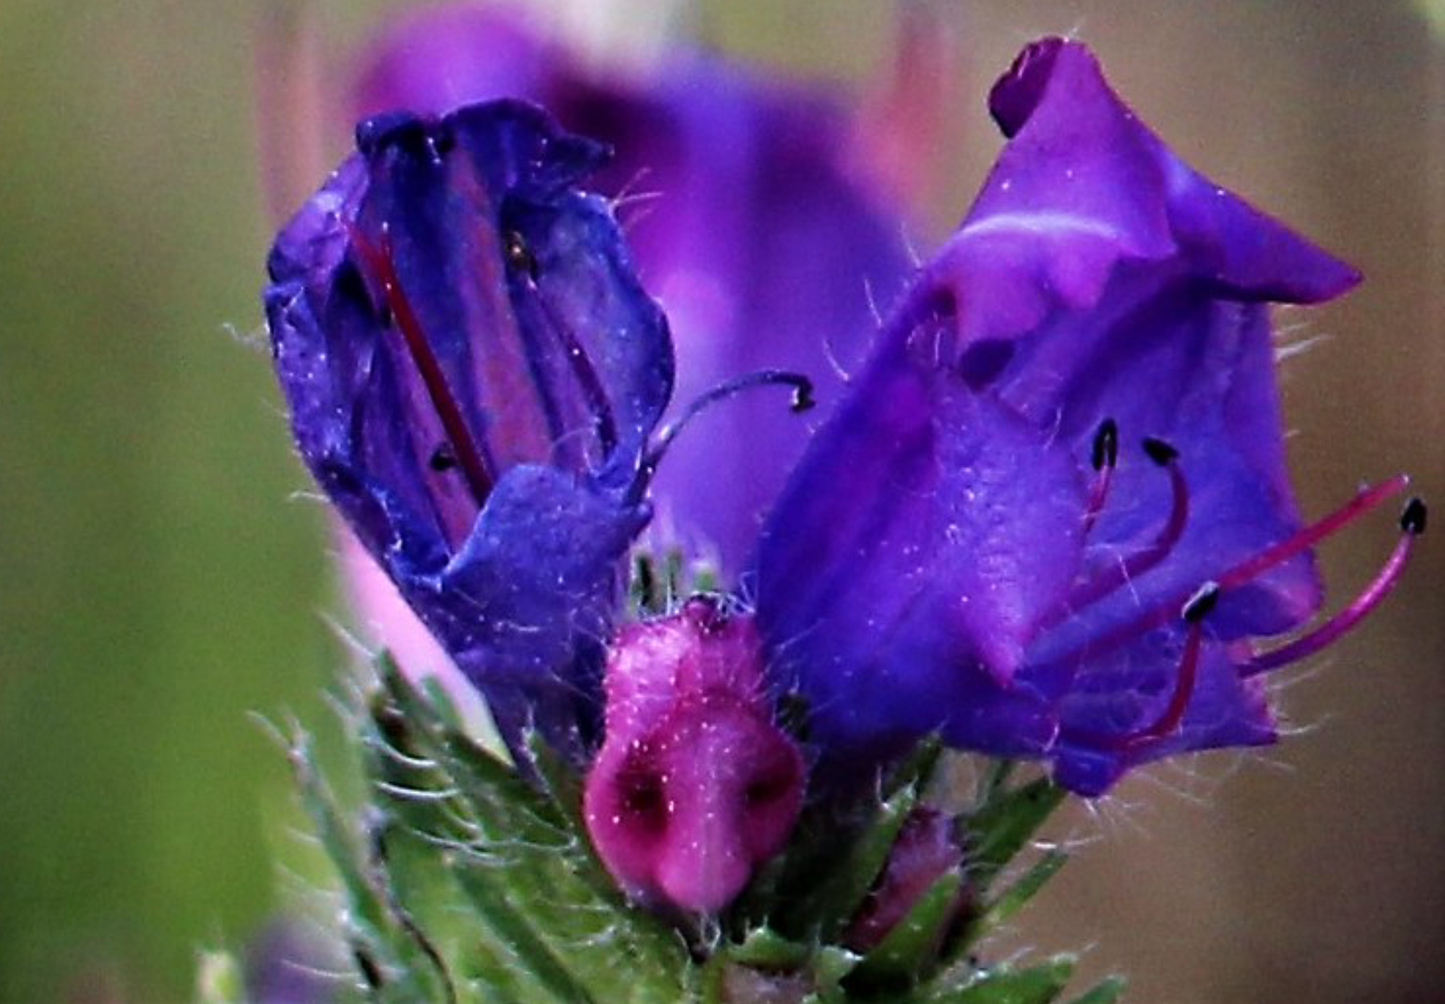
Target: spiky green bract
{"points": [[466, 879]]}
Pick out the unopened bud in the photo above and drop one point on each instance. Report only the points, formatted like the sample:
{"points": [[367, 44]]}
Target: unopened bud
{"points": [[695, 784]]}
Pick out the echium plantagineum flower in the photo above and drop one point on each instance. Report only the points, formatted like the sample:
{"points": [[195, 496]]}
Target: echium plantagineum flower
{"points": [[1052, 518], [474, 373]]}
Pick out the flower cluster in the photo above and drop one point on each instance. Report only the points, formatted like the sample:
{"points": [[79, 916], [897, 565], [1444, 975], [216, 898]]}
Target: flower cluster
{"points": [[1048, 518]]}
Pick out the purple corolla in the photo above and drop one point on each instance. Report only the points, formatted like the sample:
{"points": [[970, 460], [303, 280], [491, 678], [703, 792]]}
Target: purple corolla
{"points": [[1052, 516], [474, 373]]}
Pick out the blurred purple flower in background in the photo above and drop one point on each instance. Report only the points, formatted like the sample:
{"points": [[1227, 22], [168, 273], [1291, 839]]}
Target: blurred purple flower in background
{"points": [[285, 965], [1053, 511], [747, 223]]}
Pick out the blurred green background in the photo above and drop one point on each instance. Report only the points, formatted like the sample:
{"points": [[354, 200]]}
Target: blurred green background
{"points": [[158, 581]]}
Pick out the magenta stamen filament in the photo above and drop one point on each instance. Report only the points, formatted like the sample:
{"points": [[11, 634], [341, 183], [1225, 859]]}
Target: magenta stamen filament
{"points": [[1412, 524], [1173, 713], [1247, 570], [1098, 494], [1362, 503], [378, 261], [1331, 630], [1120, 573]]}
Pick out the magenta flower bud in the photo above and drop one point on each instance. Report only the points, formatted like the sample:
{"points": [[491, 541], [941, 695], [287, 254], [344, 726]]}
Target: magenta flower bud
{"points": [[695, 783]]}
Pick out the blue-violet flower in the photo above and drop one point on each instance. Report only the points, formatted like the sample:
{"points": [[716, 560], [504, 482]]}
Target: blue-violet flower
{"points": [[473, 373], [1052, 515]]}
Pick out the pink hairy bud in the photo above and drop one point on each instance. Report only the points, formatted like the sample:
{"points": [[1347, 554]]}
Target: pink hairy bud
{"points": [[695, 784]]}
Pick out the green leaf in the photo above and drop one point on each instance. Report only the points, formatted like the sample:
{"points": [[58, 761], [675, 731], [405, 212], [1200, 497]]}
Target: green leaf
{"points": [[1023, 890], [995, 777], [564, 788], [821, 881], [1106, 991], [916, 769], [506, 806], [831, 886], [392, 961], [1002, 827], [830, 966], [765, 948], [490, 895], [528, 871]]}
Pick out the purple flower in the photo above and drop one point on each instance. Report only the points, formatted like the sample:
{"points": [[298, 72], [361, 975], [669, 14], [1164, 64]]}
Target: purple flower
{"points": [[474, 373], [747, 225], [1052, 517]]}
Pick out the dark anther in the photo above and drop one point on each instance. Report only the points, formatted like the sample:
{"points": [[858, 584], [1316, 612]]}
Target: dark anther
{"points": [[1413, 519], [803, 395], [1160, 452], [442, 458], [1198, 606], [1106, 445], [519, 255], [384, 315]]}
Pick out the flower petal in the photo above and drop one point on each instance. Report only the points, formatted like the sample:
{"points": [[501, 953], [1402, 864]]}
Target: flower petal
{"points": [[905, 555], [1129, 690], [1101, 277], [1097, 280]]}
